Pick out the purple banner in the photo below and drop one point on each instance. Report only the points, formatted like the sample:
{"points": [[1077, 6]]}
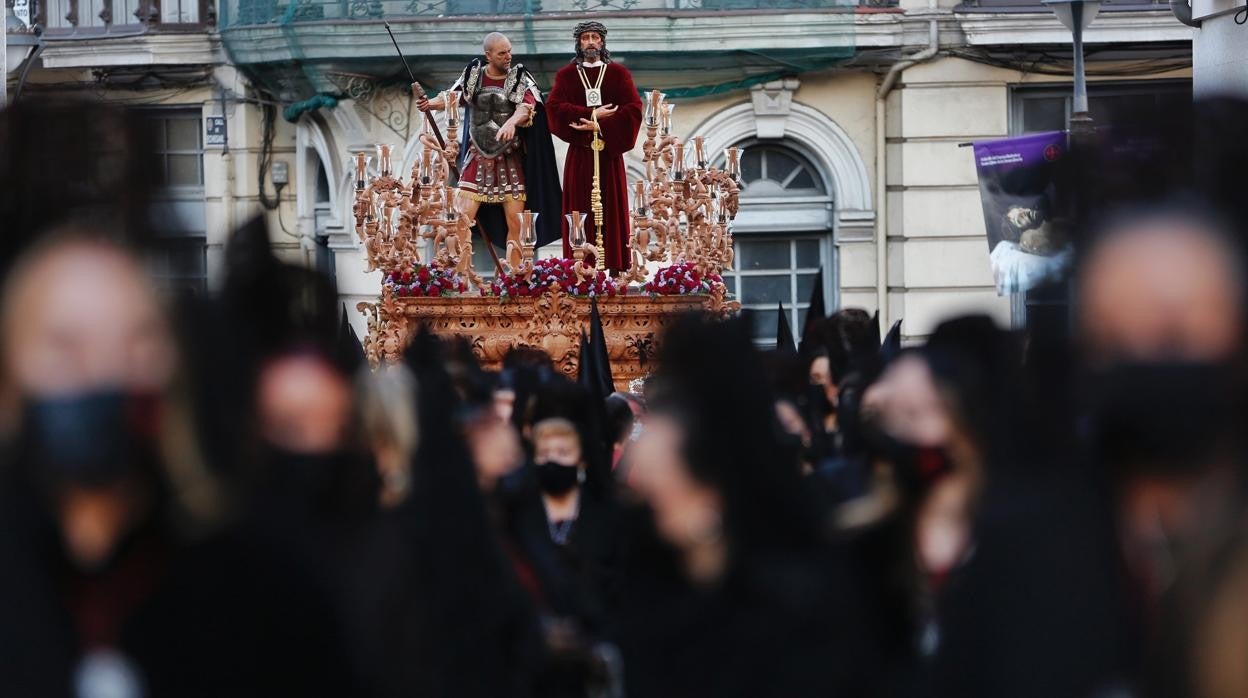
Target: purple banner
{"points": [[1016, 190]]}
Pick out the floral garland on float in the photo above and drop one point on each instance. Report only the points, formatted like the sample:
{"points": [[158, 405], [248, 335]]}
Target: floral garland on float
{"points": [[426, 281], [554, 273], [682, 280]]}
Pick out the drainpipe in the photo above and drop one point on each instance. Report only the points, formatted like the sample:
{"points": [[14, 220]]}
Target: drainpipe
{"points": [[881, 178], [227, 161], [1183, 12]]}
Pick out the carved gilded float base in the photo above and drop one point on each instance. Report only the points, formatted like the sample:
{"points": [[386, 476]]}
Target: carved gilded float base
{"points": [[551, 322]]}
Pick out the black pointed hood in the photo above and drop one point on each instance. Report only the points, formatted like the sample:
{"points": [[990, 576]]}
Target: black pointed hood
{"points": [[814, 313], [784, 333], [598, 346]]}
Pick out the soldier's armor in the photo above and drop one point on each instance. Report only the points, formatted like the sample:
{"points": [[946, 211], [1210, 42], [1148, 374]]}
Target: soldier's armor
{"points": [[490, 110]]}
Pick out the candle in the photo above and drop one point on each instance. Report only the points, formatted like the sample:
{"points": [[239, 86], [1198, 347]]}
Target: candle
{"points": [[678, 160], [698, 155], [667, 118], [732, 162], [576, 228], [639, 197], [360, 165], [426, 166], [656, 108], [528, 227], [449, 212], [452, 107], [383, 158]]}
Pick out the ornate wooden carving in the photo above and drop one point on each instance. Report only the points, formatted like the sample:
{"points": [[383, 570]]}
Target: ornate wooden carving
{"points": [[552, 322]]}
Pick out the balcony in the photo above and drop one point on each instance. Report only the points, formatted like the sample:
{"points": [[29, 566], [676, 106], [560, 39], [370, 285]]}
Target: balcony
{"points": [[64, 19], [1138, 27], [1036, 6], [297, 48], [252, 12]]}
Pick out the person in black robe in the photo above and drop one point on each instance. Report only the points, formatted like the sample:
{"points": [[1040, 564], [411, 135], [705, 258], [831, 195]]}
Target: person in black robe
{"points": [[728, 587], [561, 519], [448, 615], [122, 572]]}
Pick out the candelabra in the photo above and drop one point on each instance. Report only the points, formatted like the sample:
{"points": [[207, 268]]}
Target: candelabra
{"points": [[682, 211], [393, 218]]}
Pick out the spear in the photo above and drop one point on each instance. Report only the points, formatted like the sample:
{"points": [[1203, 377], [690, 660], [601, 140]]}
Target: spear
{"points": [[437, 132]]}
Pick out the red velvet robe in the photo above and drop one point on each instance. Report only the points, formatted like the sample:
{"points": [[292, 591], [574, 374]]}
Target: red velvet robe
{"points": [[566, 105]]}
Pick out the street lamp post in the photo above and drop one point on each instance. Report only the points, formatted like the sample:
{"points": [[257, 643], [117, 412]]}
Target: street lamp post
{"points": [[1076, 15]]}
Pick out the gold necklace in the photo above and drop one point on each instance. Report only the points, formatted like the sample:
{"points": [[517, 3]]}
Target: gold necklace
{"points": [[593, 95]]}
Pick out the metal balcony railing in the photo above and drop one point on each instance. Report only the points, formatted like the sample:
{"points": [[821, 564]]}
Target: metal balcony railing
{"points": [[1036, 6], [97, 18], [256, 12]]}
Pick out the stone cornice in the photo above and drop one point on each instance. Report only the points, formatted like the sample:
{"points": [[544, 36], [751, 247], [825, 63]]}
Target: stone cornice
{"points": [[997, 29], [171, 49], [349, 41], [630, 35]]}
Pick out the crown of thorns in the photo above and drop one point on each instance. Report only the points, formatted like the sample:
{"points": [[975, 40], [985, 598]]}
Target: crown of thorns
{"points": [[589, 27]]}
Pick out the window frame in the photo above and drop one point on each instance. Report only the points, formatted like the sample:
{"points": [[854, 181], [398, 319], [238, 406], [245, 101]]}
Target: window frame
{"points": [[173, 239], [825, 235]]}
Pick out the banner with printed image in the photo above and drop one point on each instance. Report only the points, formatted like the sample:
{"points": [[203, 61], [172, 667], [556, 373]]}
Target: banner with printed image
{"points": [[1016, 178]]}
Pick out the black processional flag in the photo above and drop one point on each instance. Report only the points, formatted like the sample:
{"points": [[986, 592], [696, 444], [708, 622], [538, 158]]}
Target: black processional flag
{"points": [[585, 375], [815, 312], [784, 333], [892, 343], [598, 347], [350, 350]]}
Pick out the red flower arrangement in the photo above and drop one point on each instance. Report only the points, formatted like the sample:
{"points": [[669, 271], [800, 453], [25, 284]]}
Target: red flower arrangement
{"points": [[425, 280], [551, 271], [681, 280]]}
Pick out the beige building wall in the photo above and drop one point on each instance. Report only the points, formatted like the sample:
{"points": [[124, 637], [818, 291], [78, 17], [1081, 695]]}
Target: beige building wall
{"points": [[937, 251], [937, 254], [937, 262], [935, 258]]}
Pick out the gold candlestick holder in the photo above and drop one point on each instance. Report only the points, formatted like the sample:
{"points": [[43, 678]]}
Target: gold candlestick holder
{"points": [[595, 201], [683, 212]]}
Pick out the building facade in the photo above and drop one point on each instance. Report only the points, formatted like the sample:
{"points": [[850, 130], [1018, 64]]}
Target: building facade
{"points": [[853, 118]]}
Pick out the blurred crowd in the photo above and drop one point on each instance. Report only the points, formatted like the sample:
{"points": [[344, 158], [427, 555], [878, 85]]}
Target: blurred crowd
{"points": [[215, 494]]}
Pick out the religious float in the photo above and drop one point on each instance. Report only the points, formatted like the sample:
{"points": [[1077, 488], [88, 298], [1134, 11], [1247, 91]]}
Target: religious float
{"points": [[413, 233]]}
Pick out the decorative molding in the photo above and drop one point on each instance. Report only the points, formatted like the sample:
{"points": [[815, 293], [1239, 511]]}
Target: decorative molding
{"points": [[389, 105], [772, 102], [314, 139], [143, 50], [1000, 28], [821, 138]]}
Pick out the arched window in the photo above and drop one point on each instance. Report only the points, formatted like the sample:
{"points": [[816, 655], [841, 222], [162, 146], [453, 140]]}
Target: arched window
{"points": [[783, 237], [778, 171]]}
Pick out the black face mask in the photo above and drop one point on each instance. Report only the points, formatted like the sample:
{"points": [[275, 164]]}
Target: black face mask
{"points": [[914, 467], [92, 438], [1162, 417], [310, 477], [815, 400], [792, 444], [556, 478]]}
